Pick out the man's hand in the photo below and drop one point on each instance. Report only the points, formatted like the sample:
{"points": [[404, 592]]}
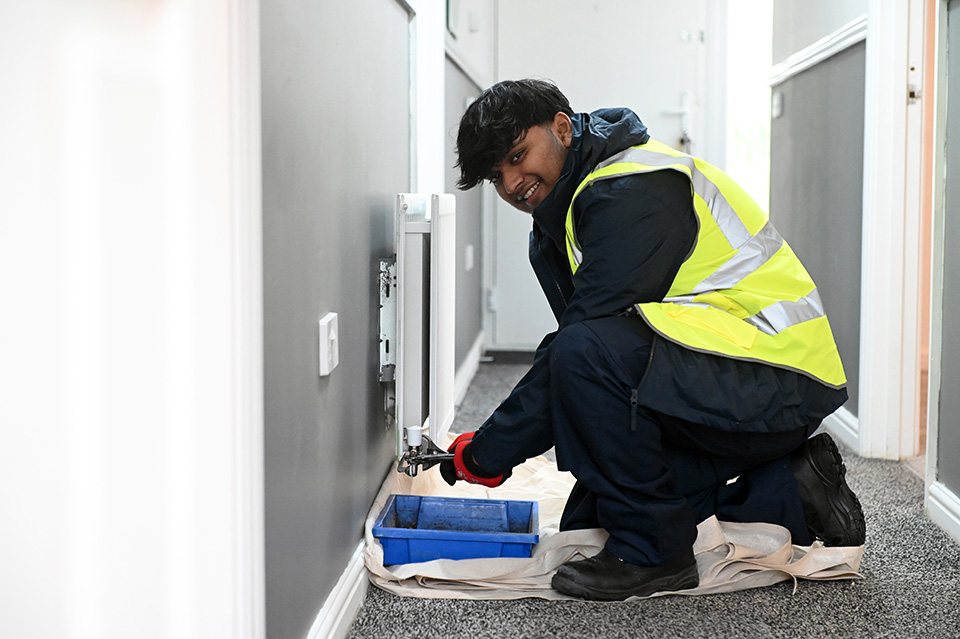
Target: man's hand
{"points": [[464, 467]]}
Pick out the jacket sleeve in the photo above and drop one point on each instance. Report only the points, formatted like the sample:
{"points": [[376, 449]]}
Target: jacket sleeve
{"points": [[635, 232], [520, 427]]}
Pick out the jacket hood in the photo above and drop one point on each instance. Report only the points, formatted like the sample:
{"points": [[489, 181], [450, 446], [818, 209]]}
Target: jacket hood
{"points": [[596, 136]]}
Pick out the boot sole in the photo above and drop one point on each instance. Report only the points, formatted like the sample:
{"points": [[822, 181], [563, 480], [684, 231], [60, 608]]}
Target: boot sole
{"points": [[684, 580]]}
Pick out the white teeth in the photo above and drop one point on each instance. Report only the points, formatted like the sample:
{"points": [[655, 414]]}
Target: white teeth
{"points": [[530, 192]]}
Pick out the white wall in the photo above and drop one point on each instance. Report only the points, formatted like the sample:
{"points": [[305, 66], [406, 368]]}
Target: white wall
{"points": [[130, 333], [633, 53], [641, 54]]}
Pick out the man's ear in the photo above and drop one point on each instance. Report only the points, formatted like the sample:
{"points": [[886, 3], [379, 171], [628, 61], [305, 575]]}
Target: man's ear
{"points": [[563, 127]]}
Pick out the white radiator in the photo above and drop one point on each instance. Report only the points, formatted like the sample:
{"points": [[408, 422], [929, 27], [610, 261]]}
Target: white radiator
{"points": [[417, 320]]}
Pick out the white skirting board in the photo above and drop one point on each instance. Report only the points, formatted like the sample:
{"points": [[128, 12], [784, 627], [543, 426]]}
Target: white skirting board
{"points": [[843, 425], [342, 605], [943, 507]]}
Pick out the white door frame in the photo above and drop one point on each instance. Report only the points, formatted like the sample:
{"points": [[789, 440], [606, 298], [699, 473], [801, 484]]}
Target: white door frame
{"points": [[221, 555], [248, 605], [888, 424]]}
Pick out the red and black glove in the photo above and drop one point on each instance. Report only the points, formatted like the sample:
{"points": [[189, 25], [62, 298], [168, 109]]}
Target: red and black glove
{"points": [[464, 467]]}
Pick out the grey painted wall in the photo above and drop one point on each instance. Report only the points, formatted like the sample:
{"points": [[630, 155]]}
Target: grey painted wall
{"points": [[800, 23], [816, 188], [948, 433], [469, 314], [336, 150]]}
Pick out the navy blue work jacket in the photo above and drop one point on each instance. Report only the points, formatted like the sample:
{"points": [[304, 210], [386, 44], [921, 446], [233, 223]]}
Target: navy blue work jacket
{"points": [[642, 228]]}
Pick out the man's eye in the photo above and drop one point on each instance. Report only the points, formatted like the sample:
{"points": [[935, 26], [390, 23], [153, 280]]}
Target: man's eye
{"points": [[516, 157], [494, 179]]}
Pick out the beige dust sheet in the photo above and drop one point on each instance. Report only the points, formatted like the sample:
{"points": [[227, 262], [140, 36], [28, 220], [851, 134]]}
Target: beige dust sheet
{"points": [[730, 556]]}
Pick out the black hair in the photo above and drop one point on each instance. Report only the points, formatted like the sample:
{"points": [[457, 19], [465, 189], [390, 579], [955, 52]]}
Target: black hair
{"points": [[493, 122]]}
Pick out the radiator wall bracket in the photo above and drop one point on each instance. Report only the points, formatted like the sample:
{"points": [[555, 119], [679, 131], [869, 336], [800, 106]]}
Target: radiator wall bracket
{"points": [[388, 339], [388, 319]]}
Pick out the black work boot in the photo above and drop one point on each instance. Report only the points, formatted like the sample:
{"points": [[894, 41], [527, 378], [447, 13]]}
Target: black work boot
{"points": [[832, 511], [605, 577]]}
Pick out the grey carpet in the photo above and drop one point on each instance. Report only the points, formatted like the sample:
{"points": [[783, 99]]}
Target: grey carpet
{"points": [[910, 585]]}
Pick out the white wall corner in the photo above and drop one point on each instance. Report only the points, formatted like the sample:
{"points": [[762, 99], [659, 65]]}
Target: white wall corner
{"points": [[343, 604]]}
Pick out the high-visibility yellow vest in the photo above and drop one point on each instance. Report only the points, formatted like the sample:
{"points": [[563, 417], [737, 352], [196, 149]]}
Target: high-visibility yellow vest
{"points": [[742, 292]]}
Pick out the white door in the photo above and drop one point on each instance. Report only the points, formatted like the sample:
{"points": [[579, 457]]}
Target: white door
{"points": [[648, 55]]}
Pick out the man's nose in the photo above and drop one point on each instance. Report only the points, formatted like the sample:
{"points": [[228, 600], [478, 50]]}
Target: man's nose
{"points": [[511, 181]]}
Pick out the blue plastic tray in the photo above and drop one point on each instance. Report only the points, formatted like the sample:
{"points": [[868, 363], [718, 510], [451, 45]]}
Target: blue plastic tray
{"points": [[413, 528]]}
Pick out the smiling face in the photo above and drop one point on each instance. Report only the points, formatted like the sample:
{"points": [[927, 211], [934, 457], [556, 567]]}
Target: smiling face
{"points": [[530, 170]]}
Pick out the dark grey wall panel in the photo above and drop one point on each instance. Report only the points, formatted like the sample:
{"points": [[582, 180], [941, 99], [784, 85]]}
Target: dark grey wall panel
{"points": [[469, 283], [336, 150], [816, 188], [948, 433]]}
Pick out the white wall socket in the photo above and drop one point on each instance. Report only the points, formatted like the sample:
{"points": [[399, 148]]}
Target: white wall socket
{"points": [[329, 343]]}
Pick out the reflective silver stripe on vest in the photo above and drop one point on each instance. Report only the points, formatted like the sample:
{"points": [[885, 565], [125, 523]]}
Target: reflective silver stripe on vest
{"points": [[726, 218], [773, 318], [752, 255], [753, 251], [782, 315]]}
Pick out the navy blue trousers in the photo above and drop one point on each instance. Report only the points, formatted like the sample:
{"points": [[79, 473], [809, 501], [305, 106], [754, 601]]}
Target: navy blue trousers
{"points": [[649, 478]]}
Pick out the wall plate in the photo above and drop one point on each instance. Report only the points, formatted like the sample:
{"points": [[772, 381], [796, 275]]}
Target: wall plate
{"points": [[329, 343]]}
